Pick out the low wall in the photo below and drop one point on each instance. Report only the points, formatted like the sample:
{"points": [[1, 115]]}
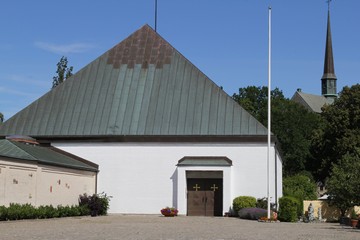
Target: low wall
{"points": [[328, 213]]}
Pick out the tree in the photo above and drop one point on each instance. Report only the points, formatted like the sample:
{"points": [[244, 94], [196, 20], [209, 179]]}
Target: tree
{"points": [[63, 72], [254, 100], [340, 134], [1, 117], [343, 186], [292, 124], [300, 186]]}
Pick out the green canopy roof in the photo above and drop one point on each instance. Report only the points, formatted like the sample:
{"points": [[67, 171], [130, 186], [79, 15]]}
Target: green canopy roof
{"points": [[43, 155]]}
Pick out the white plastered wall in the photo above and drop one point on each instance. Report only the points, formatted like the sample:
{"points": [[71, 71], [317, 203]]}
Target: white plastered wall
{"points": [[143, 177], [25, 182]]}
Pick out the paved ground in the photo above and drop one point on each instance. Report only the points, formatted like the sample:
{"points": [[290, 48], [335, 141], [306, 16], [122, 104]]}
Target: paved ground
{"points": [[157, 227]]}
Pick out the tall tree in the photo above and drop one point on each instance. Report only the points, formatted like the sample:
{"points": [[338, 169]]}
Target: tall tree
{"points": [[343, 186], [1, 117], [63, 72], [292, 124], [340, 135]]}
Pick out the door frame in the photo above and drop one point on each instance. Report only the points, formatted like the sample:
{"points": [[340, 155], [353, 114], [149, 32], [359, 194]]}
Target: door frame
{"points": [[180, 185], [212, 198]]}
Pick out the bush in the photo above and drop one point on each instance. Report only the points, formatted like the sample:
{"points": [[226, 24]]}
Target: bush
{"points": [[252, 213], [288, 209], [262, 203], [98, 204], [3, 213], [26, 211], [243, 202]]}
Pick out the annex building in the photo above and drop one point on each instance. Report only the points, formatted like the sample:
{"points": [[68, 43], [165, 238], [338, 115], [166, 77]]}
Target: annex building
{"points": [[39, 175]]}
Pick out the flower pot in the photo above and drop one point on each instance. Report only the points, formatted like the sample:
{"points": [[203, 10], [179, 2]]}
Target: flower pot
{"points": [[169, 212], [354, 222]]}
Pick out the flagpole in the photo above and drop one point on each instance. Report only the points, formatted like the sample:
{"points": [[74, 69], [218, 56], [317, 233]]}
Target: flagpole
{"points": [[155, 15], [269, 120]]}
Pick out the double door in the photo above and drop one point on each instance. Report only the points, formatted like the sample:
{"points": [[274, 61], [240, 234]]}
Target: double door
{"points": [[204, 197]]}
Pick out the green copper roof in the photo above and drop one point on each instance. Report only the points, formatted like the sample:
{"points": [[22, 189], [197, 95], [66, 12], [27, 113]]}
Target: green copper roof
{"points": [[141, 86], [204, 161], [43, 155]]}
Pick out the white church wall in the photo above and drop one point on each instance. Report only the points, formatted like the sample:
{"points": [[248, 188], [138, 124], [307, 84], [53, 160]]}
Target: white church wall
{"points": [[142, 177], [25, 182]]}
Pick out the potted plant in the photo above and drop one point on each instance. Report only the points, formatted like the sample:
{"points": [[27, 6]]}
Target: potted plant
{"points": [[169, 212], [354, 218]]}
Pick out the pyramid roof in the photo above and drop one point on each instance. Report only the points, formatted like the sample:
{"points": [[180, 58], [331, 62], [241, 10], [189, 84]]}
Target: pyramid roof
{"points": [[141, 87]]}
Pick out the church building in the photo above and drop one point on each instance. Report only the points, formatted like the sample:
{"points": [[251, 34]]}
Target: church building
{"points": [[313, 102], [162, 132]]}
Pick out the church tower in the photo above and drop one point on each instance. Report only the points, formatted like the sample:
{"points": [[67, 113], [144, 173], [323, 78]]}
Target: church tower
{"points": [[328, 80]]}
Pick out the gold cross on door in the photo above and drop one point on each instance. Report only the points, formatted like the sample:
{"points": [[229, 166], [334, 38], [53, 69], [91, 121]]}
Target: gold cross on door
{"points": [[196, 187], [214, 187]]}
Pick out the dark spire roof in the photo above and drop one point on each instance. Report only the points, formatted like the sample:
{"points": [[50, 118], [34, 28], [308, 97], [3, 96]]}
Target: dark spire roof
{"points": [[328, 80], [329, 70], [141, 87]]}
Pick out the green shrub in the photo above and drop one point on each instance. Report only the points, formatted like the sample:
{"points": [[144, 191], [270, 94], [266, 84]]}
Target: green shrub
{"points": [[252, 213], [243, 202], [98, 204], [14, 211], [26, 211], [288, 209], [3, 213]]}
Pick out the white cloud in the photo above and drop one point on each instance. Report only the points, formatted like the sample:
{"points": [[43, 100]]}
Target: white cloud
{"points": [[64, 49]]}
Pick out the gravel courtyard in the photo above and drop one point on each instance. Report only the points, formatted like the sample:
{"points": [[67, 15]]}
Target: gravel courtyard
{"points": [[116, 226]]}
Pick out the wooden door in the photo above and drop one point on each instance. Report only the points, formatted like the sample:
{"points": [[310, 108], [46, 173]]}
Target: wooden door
{"points": [[204, 197]]}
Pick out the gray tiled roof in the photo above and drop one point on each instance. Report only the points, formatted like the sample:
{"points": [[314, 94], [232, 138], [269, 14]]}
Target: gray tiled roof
{"points": [[140, 87], [311, 102], [38, 154]]}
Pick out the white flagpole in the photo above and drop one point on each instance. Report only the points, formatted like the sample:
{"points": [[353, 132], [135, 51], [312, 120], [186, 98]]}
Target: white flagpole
{"points": [[269, 120]]}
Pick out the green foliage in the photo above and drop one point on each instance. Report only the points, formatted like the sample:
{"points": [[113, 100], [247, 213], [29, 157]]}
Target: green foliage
{"points": [[262, 203], [3, 213], [300, 186], [292, 124], [254, 100], [288, 209], [26, 211], [243, 202], [63, 72], [340, 134], [98, 204], [1, 117], [343, 185], [252, 213], [353, 214]]}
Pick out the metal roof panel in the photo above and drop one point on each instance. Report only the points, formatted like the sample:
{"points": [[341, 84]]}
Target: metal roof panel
{"points": [[141, 86]]}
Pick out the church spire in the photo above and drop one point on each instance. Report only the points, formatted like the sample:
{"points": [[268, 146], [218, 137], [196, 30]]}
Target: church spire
{"points": [[328, 80]]}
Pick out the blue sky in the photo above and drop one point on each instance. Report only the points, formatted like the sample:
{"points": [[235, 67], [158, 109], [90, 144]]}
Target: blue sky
{"points": [[226, 39]]}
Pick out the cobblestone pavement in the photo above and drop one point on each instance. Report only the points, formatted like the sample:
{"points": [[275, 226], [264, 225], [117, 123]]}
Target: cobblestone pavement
{"points": [[118, 226]]}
